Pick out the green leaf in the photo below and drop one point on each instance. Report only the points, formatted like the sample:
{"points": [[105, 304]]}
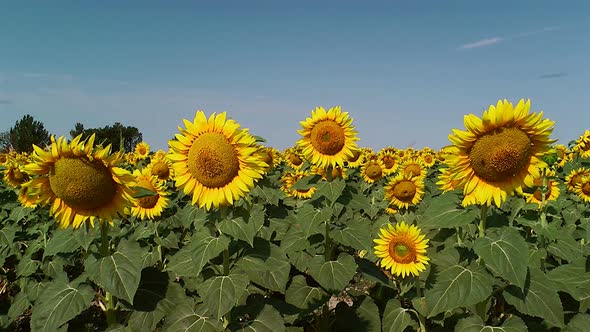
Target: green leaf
{"points": [[331, 190], [539, 299], [169, 242], [58, 304], [579, 323], [506, 255], [365, 317], [267, 265], [571, 278], [206, 247], [395, 318], [458, 286], [333, 275], [220, 294], [309, 219], [269, 195], [120, 272], [294, 240], [19, 213], [445, 212], [267, 320], [7, 235], [186, 319], [140, 192], [61, 241], [565, 247], [19, 304], [182, 264], [26, 266], [303, 296], [357, 235], [85, 236], [189, 214], [475, 324], [239, 228]]}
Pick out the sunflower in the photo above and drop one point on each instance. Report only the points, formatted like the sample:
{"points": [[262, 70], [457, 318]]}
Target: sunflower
{"points": [[271, 156], [161, 166], [149, 207], [356, 160], [15, 174], [4, 158], [293, 157], [26, 198], [552, 189], [448, 181], [215, 160], [328, 137], [412, 166], [337, 172], [391, 210], [402, 249], [499, 153], [289, 179], [428, 159], [390, 161], [583, 189], [80, 182], [574, 178], [142, 150], [582, 146], [404, 189], [372, 170]]}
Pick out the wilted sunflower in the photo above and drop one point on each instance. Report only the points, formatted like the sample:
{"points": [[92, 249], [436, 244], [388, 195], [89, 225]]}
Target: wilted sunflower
{"points": [[161, 166], [583, 189], [582, 146], [412, 166], [390, 161], [402, 249], [574, 178], [289, 179], [142, 150], [500, 152], [81, 183], [149, 207], [404, 189], [372, 170], [328, 137], [552, 189], [214, 160]]}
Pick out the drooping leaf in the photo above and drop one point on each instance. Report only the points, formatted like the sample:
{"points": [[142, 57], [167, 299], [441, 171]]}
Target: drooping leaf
{"points": [[267, 320], [7, 235], [239, 228], [309, 219], [331, 190], [19, 304], [364, 317], [458, 286], [182, 264], [506, 255], [579, 323], [357, 235]]}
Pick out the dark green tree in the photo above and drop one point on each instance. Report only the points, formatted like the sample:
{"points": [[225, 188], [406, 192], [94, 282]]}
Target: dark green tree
{"points": [[113, 135], [26, 132]]}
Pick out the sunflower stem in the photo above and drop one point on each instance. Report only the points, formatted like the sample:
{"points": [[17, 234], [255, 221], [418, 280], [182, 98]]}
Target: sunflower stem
{"points": [[459, 234], [223, 214], [481, 228], [543, 189], [110, 313], [328, 243]]}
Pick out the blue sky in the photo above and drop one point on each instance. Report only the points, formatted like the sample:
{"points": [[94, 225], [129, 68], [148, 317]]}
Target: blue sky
{"points": [[406, 71]]}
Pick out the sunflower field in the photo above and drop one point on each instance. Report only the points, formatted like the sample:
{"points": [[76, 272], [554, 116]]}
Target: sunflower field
{"points": [[225, 233]]}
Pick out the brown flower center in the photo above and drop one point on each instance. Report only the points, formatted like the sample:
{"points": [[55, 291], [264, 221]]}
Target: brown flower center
{"points": [[388, 161], [402, 252], [412, 169], [327, 137], [374, 171], [81, 183], [295, 159], [212, 160], [405, 191], [355, 156], [586, 188], [501, 155], [147, 202]]}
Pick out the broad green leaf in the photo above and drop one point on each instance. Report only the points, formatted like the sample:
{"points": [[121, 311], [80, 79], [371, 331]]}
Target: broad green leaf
{"points": [[120, 272], [267, 265], [186, 319], [539, 299], [144, 231], [59, 303], [333, 275], [7, 235], [475, 324], [19, 213], [220, 294], [34, 289], [306, 182], [267, 320], [182, 264], [579, 323], [61, 241], [294, 240], [170, 241], [506, 255], [239, 228], [364, 317], [446, 212], [357, 235], [304, 296], [19, 304], [331, 190], [458, 286], [395, 318], [269, 195], [571, 278], [309, 219], [565, 247], [26, 266], [189, 215], [206, 247], [86, 235]]}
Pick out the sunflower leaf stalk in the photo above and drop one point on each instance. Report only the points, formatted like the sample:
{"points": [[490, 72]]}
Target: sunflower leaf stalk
{"points": [[109, 307], [481, 227]]}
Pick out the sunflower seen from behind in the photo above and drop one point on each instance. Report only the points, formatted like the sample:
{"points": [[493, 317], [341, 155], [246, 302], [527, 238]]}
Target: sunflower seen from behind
{"points": [[80, 182], [328, 137], [402, 249], [499, 153], [215, 161]]}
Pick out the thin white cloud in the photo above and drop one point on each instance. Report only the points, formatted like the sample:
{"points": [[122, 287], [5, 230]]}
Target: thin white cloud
{"points": [[498, 39]]}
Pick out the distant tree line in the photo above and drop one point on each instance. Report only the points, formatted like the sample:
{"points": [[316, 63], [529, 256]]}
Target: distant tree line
{"points": [[28, 131]]}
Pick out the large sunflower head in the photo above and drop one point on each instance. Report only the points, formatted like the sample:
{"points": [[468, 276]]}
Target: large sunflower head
{"points": [[582, 146], [215, 161], [574, 178], [412, 166], [328, 137], [149, 207], [582, 189], [402, 249], [428, 159], [289, 179], [499, 153], [80, 182], [404, 190], [142, 150]]}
